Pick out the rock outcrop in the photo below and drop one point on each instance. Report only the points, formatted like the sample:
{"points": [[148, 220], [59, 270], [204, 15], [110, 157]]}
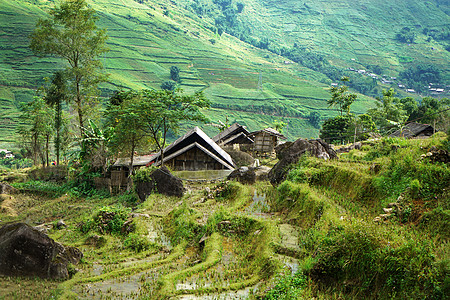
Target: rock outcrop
{"points": [[7, 189], [162, 181], [290, 155], [24, 251], [245, 175]]}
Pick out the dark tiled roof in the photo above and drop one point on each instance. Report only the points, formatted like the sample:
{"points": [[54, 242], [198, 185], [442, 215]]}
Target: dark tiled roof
{"points": [[414, 129]]}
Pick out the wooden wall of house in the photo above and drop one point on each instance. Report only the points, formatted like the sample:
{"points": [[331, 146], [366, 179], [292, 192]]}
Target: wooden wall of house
{"points": [[194, 160], [265, 142]]}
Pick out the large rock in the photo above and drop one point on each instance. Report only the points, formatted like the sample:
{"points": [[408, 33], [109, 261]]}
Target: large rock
{"points": [[7, 189], [162, 181], [245, 175], [290, 154], [24, 251]]}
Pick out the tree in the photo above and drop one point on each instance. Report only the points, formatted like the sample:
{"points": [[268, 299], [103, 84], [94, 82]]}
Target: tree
{"points": [[341, 97], [175, 73], [278, 125], [125, 117], [36, 129], [338, 129], [71, 33], [389, 110], [56, 94], [314, 119], [164, 111], [168, 85]]}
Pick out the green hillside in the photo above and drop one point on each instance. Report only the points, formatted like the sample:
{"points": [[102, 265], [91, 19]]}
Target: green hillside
{"points": [[147, 38]]}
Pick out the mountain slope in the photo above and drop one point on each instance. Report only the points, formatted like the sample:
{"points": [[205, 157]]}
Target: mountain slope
{"points": [[245, 83]]}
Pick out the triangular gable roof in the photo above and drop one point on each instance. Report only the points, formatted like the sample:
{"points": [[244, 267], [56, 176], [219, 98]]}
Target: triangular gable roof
{"points": [[270, 131], [196, 138], [240, 138], [413, 129], [230, 131]]}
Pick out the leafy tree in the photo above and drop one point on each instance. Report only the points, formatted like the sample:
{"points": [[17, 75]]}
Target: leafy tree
{"points": [[338, 129], [364, 127], [240, 7], [389, 110], [341, 97], [418, 77], [433, 111], [314, 118], [71, 33], [406, 35], [36, 129], [168, 85], [410, 106], [175, 73], [56, 94], [126, 119], [278, 125]]}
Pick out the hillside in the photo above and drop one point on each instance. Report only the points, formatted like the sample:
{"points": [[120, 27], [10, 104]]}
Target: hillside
{"points": [[146, 38], [373, 224]]}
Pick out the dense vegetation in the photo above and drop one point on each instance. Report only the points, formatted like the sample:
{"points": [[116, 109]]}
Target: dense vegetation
{"points": [[322, 233]]}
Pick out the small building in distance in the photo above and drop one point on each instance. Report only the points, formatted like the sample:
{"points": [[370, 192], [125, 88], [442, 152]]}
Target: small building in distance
{"points": [[414, 130], [266, 140], [194, 151], [121, 168], [8, 154], [235, 134]]}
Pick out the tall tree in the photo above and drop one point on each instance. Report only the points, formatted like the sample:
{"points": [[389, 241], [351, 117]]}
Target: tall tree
{"points": [[56, 94], [71, 33]]}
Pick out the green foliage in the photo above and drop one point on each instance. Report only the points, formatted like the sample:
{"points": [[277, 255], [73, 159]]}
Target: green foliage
{"points": [[287, 287], [175, 73], [338, 129], [420, 75], [138, 243], [108, 219], [143, 174], [389, 112], [168, 85], [341, 97], [358, 254], [48, 188], [231, 225], [71, 34], [406, 35], [180, 225]]}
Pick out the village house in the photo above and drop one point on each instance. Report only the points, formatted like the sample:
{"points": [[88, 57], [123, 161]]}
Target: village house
{"points": [[236, 134], [8, 154], [266, 140], [194, 151], [414, 130]]}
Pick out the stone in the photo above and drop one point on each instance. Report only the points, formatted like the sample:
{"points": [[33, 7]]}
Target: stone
{"points": [[392, 204], [245, 175], [138, 215], [161, 181], [24, 251], [385, 216], [388, 210], [96, 240], [262, 173], [377, 219], [61, 224], [291, 154], [7, 189]]}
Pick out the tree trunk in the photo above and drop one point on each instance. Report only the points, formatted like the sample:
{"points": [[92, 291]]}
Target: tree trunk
{"points": [[58, 128], [130, 173], [46, 147]]}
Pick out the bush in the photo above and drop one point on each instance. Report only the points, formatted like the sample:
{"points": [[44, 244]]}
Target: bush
{"points": [[138, 243], [181, 225], [287, 287], [108, 219]]}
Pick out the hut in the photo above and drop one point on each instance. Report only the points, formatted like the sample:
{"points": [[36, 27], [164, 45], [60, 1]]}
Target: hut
{"points": [[194, 151], [414, 130], [235, 134], [266, 140], [121, 168]]}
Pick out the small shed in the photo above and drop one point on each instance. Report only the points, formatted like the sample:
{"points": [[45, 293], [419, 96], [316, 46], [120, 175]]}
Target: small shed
{"points": [[414, 130], [266, 140], [194, 151], [235, 134], [121, 167]]}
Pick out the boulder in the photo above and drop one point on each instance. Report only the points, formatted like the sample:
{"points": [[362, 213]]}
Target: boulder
{"points": [[161, 181], [291, 154], [7, 189], [245, 175], [24, 251]]}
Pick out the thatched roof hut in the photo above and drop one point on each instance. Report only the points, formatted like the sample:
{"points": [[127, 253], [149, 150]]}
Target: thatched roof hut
{"points": [[414, 130]]}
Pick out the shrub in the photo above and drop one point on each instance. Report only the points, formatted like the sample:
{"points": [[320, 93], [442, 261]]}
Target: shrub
{"points": [[108, 219], [180, 224], [138, 243], [287, 287]]}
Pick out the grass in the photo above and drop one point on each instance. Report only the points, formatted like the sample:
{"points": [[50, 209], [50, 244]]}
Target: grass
{"points": [[320, 219]]}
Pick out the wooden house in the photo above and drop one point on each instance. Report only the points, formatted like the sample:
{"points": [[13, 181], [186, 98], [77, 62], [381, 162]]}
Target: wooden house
{"points": [[235, 134], [121, 168], [414, 130], [194, 151], [266, 140]]}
